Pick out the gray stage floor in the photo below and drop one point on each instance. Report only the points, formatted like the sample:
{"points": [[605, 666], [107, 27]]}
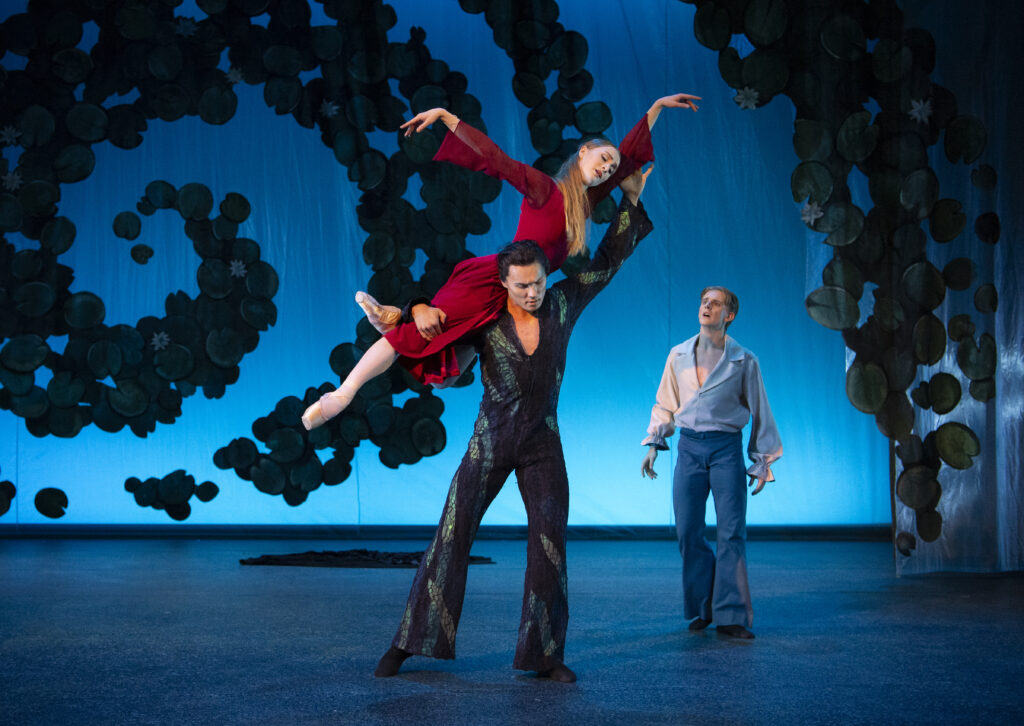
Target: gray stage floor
{"points": [[177, 632]]}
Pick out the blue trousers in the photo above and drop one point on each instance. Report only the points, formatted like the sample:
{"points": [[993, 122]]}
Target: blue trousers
{"points": [[714, 583]]}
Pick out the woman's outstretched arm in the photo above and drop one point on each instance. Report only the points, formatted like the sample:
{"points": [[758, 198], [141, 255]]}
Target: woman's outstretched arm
{"points": [[676, 100]]}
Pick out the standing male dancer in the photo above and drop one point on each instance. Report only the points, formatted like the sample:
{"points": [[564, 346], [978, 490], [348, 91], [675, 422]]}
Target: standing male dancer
{"points": [[522, 359], [710, 388]]}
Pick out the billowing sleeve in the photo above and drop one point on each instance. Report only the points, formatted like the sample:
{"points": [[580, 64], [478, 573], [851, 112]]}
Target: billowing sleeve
{"points": [[635, 150], [666, 403], [765, 446], [471, 149]]}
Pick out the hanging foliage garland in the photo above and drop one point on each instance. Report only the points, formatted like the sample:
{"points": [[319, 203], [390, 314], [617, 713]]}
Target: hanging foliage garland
{"points": [[817, 54]]}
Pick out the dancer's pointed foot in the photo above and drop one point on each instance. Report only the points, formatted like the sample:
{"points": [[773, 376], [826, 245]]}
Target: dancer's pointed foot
{"points": [[329, 406], [561, 673], [390, 662], [382, 317]]}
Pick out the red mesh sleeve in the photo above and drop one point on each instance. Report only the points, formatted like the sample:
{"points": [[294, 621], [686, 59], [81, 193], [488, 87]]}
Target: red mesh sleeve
{"points": [[472, 150]]}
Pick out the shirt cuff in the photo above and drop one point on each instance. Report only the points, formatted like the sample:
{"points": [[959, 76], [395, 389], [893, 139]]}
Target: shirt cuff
{"points": [[761, 468], [658, 442]]}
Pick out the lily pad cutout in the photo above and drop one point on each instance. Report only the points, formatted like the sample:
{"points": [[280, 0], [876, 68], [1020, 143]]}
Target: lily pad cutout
{"points": [[843, 222], [125, 124], [593, 118], [306, 475], [929, 340], [984, 177], [58, 235], [811, 139], [765, 71], [224, 347], [87, 121], [173, 363], [369, 170], [884, 187], [958, 273], [206, 491], [890, 61], [84, 310], [104, 358], [866, 386], [261, 280], [712, 26], [34, 299], [129, 398], [258, 313], [217, 105], [730, 66], [24, 353], [929, 525], [38, 198], [843, 38], [7, 492], [857, 137], [10, 213], [845, 274], [65, 389], [141, 253], [74, 163], [899, 368], [966, 138], [986, 298], [36, 126], [428, 436], [195, 201], [161, 194], [905, 543], [235, 207], [896, 419], [917, 487], [910, 450], [960, 327], [812, 181], [888, 312], [215, 278], [833, 307], [944, 392], [528, 88], [285, 445], [977, 360], [984, 390], [127, 225], [176, 488], [919, 192], [924, 285], [764, 21], [957, 444], [947, 220], [51, 502], [986, 226], [577, 86], [344, 357]]}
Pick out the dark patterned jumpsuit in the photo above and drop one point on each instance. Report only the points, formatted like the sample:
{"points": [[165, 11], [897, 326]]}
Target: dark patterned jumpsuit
{"points": [[516, 430]]}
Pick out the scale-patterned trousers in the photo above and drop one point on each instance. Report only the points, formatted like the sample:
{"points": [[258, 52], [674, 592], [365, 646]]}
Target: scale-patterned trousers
{"points": [[435, 601]]}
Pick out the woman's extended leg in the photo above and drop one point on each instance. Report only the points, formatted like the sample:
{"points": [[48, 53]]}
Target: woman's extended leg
{"points": [[375, 361]]}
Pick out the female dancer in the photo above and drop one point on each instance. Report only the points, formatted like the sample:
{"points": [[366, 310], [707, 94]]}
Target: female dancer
{"points": [[554, 214]]}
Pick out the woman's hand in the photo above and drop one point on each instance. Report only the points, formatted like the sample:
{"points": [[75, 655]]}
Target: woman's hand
{"points": [[425, 119], [428, 320], [633, 185], [676, 100]]}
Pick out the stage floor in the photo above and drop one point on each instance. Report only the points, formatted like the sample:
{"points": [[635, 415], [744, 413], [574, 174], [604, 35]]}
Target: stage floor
{"points": [[175, 631]]}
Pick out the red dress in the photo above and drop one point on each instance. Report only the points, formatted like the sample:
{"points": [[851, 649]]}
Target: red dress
{"points": [[473, 296]]}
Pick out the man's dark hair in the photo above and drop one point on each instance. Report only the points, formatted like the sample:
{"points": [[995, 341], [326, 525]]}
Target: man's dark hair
{"points": [[521, 253]]}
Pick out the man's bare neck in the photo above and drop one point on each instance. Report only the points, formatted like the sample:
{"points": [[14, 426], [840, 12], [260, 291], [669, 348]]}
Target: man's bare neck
{"points": [[711, 338]]}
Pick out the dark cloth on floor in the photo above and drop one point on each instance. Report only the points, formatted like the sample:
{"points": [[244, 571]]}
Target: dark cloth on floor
{"points": [[350, 558]]}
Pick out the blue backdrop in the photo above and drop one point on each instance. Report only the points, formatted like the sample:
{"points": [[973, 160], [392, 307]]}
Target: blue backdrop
{"points": [[723, 211]]}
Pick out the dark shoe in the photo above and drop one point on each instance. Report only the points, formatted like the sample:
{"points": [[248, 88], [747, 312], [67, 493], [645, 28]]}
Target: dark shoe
{"points": [[560, 673], [699, 624], [735, 631], [390, 662]]}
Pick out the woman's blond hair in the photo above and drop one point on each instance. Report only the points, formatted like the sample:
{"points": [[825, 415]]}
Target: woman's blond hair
{"points": [[574, 194]]}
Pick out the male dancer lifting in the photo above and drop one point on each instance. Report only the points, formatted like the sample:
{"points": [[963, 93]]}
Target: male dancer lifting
{"points": [[522, 360]]}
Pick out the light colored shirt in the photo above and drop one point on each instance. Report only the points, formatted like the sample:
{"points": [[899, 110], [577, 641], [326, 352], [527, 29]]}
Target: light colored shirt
{"points": [[733, 394]]}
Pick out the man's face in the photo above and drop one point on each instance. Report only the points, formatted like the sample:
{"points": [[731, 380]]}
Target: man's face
{"points": [[712, 312], [526, 285]]}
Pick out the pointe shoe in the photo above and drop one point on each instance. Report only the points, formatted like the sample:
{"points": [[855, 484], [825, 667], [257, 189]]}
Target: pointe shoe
{"points": [[382, 317], [329, 406]]}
